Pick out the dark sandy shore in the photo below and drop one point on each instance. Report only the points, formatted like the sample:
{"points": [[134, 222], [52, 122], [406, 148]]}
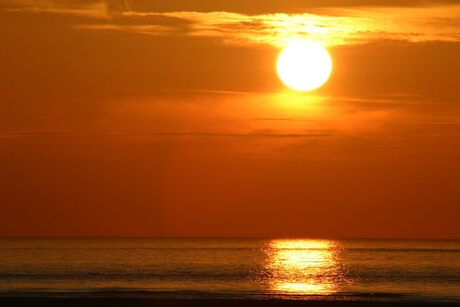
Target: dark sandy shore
{"points": [[132, 302]]}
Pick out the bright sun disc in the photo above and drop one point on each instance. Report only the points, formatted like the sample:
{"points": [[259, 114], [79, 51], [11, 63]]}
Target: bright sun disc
{"points": [[304, 66]]}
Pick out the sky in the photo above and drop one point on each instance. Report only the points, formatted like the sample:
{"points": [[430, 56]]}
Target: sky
{"points": [[167, 118]]}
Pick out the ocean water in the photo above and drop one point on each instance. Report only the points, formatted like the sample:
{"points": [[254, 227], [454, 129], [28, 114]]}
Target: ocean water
{"points": [[232, 268]]}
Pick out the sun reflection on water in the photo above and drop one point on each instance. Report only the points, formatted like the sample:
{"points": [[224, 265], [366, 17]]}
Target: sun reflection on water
{"points": [[302, 267]]}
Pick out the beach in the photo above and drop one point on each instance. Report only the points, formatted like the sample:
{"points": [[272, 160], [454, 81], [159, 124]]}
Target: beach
{"points": [[122, 302]]}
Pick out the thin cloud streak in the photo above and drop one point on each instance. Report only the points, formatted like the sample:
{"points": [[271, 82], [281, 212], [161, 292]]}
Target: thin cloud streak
{"points": [[139, 29], [255, 134]]}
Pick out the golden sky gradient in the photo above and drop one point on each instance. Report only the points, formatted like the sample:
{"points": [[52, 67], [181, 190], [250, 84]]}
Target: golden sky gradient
{"points": [[167, 118]]}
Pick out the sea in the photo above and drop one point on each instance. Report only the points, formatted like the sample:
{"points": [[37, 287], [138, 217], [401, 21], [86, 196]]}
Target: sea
{"points": [[293, 269]]}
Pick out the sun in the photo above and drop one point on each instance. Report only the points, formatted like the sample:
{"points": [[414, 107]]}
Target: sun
{"points": [[304, 66]]}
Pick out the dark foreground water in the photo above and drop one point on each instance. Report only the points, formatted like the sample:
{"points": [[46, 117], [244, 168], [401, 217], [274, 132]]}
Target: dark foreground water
{"points": [[232, 268]]}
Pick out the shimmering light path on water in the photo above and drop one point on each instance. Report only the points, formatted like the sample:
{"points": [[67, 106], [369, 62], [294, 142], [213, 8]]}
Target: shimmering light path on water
{"points": [[239, 268], [303, 266]]}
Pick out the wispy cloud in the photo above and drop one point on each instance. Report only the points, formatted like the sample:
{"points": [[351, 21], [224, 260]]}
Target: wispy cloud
{"points": [[331, 26], [335, 27], [205, 134], [140, 29], [92, 10]]}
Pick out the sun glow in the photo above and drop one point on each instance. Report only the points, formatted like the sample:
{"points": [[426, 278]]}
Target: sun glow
{"points": [[304, 66]]}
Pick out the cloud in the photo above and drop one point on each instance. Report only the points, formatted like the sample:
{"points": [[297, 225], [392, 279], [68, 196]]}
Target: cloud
{"points": [[331, 26], [336, 26], [140, 29], [95, 9], [206, 134]]}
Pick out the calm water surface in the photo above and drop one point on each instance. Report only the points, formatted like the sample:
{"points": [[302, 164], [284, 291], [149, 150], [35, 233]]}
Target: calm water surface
{"points": [[237, 268]]}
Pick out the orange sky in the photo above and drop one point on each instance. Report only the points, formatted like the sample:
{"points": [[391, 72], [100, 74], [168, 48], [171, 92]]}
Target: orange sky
{"points": [[167, 118]]}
